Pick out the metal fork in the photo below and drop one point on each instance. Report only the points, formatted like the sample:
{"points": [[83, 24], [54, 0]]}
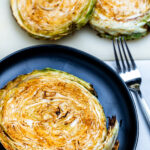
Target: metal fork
{"points": [[129, 72]]}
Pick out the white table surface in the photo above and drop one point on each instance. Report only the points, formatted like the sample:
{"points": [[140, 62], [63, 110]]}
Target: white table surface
{"points": [[12, 38]]}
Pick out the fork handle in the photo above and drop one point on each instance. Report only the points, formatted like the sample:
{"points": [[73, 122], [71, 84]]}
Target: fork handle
{"points": [[143, 104]]}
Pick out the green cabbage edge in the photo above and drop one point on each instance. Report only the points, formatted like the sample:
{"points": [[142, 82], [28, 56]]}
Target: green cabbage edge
{"points": [[132, 36]]}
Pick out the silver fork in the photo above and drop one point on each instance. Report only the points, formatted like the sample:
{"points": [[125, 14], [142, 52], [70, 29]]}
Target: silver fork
{"points": [[129, 72]]}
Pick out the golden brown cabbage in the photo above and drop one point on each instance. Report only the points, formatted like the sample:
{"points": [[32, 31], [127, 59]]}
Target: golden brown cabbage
{"points": [[51, 19], [129, 18], [53, 110]]}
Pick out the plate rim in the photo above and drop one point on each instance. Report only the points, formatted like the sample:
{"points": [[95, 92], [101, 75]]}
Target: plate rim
{"points": [[95, 59]]}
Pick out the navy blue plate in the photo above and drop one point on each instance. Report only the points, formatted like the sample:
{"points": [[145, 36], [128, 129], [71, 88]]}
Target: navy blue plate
{"points": [[112, 92]]}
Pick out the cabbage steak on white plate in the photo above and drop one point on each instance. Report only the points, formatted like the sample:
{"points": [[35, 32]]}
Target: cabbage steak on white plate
{"points": [[51, 19], [128, 18]]}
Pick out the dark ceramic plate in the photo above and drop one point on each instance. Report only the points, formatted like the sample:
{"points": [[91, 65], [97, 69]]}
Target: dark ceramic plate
{"points": [[112, 92]]}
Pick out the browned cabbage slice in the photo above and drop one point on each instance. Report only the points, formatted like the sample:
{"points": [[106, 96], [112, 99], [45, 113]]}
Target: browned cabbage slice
{"points": [[51, 110], [129, 18], [51, 19]]}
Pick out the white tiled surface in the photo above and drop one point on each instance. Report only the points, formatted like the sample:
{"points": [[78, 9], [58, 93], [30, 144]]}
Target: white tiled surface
{"points": [[144, 130]]}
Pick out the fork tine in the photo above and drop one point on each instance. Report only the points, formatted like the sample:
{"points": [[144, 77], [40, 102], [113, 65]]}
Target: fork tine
{"points": [[116, 58], [121, 57], [125, 56], [130, 56]]}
